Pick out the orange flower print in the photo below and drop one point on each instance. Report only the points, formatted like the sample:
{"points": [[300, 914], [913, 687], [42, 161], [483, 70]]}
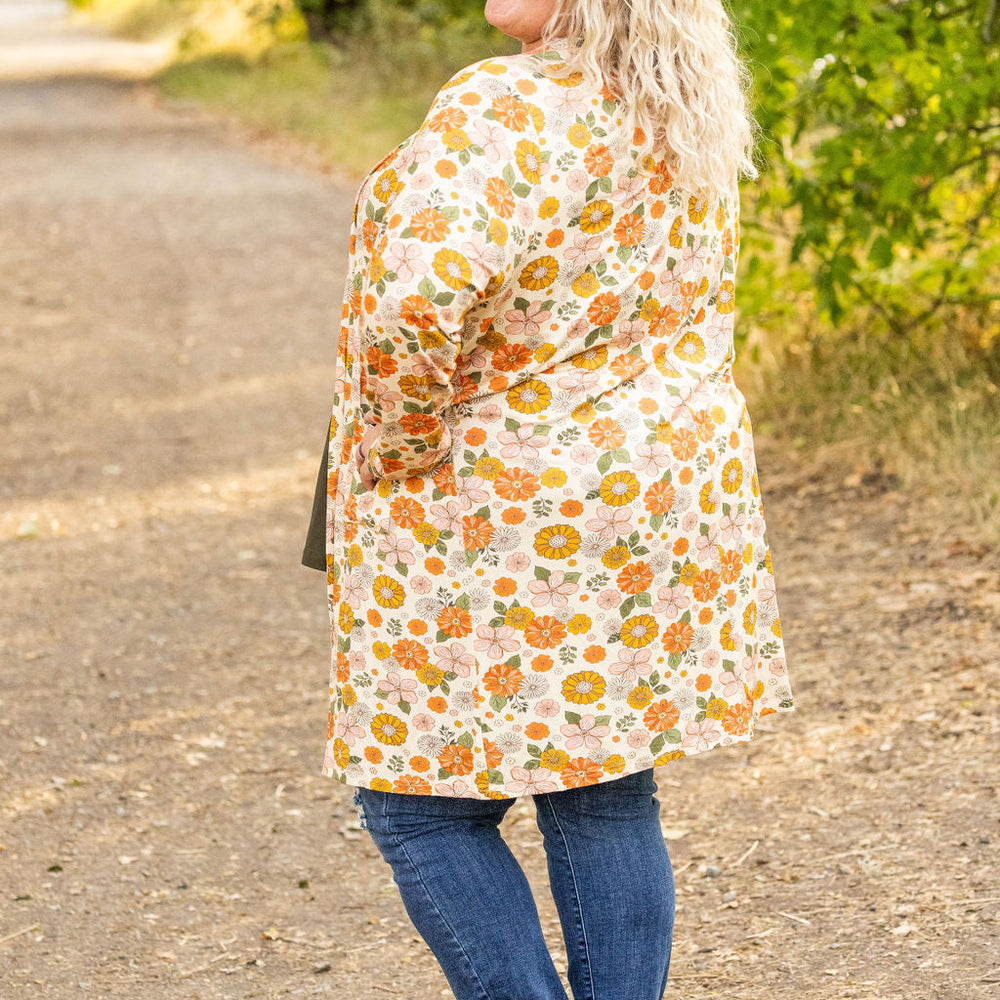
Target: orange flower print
{"points": [[659, 498], [476, 532], [456, 759], [580, 772], [454, 621], [406, 512], [606, 433], [410, 653], [516, 484], [500, 197], [630, 230], [545, 632], [684, 444], [598, 160], [417, 311], [635, 578], [661, 716], [604, 309], [503, 680], [511, 112], [447, 120], [511, 357], [706, 586], [430, 225], [677, 637], [412, 784]]}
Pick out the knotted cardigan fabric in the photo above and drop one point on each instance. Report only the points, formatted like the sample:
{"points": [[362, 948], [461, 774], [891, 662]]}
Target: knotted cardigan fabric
{"points": [[562, 574]]}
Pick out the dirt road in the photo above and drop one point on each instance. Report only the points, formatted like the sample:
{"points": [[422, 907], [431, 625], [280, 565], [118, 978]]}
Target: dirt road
{"points": [[167, 314]]}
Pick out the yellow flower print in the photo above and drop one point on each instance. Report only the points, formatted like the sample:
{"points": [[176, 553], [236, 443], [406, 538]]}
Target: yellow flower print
{"points": [[350, 696], [382, 650], [716, 708], [583, 687], [750, 618], [595, 357], [725, 299], [548, 208], [691, 348], [579, 135], [529, 161], [776, 627], [341, 752], [689, 573], [615, 557], [452, 268], [388, 728], [518, 617], [720, 216], [557, 541], [639, 697], [615, 764], [697, 209], [497, 231], [732, 475], [381, 785], [387, 592], [726, 637], [354, 555], [596, 217], [619, 488], [346, 618], [586, 285], [676, 238], [553, 477], [530, 396], [539, 273], [579, 624], [639, 631], [426, 533], [554, 760], [457, 139], [705, 498], [430, 675], [386, 186], [489, 468]]}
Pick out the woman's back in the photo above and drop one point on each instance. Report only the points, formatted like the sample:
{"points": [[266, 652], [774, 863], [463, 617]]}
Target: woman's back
{"points": [[563, 575]]}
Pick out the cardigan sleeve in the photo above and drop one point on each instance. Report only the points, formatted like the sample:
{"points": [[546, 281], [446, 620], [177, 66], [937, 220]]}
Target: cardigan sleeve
{"points": [[444, 223]]}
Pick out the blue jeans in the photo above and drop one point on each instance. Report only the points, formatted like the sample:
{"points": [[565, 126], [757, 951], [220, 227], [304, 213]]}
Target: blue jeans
{"points": [[609, 873]]}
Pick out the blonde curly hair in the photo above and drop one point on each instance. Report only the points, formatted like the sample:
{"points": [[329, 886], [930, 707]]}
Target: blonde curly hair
{"points": [[673, 66]]}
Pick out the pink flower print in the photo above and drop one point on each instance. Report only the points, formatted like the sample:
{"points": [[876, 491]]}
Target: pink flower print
{"points": [[579, 380], [398, 550], [729, 684], [629, 332], [707, 546], [608, 599], [497, 640], [638, 738], [651, 458], [578, 329], [631, 663], [526, 322], [406, 260], [470, 488], [585, 250], [493, 140], [448, 516], [671, 601], [517, 561], [701, 735], [693, 258], [398, 688], [584, 454], [525, 782], [690, 521], [611, 522], [577, 180], [710, 659], [585, 733], [671, 280], [354, 590], [777, 667], [522, 443], [731, 527], [489, 414], [455, 658], [456, 789], [424, 722], [422, 584], [347, 728], [629, 191], [547, 708], [552, 591], [382, 396]]}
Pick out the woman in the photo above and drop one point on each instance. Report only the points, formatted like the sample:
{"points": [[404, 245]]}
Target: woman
{"points": [[547, 560]]}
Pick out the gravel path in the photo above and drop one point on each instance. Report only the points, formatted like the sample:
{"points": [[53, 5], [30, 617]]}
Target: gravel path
{"points": [[167, 314]]}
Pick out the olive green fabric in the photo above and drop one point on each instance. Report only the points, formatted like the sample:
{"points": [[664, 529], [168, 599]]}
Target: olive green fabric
{"points": [[314, 553]]}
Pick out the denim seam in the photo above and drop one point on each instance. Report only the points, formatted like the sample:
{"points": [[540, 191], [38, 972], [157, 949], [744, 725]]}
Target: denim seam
{"points": [[576, 892], [484, 994]]}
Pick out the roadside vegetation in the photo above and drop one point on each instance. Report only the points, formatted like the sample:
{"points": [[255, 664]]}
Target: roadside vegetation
{"points": [[870, 273]]}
